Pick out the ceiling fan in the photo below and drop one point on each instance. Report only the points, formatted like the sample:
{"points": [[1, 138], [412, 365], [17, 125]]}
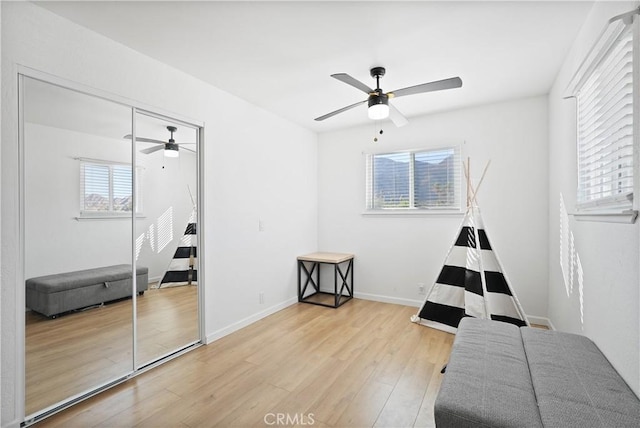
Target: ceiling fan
{"points": [[171, 148], [378, 101]]}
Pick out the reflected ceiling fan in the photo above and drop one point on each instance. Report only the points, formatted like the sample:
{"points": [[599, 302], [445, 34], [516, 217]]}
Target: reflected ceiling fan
{"points": [[378, 101], [171, 148]]}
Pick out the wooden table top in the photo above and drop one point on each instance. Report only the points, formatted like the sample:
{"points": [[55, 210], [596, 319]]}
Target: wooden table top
{"points": [[326, 257]]}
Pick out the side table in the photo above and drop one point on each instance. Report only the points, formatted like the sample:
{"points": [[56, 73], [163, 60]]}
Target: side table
{"points": [[310, 263]]}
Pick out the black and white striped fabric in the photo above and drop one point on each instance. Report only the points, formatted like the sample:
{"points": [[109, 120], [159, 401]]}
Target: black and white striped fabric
{"points": [[471, 283], [183, 267]]}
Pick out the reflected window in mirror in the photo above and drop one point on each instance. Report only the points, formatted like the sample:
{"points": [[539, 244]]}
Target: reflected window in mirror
{"points": [[106, 189]]}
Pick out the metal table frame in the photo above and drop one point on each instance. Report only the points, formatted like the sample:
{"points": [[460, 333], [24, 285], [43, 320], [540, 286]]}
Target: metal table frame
{"points": [[315, 260]]}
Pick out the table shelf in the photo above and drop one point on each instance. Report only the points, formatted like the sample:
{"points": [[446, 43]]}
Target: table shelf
{"points": [[310, 263]]}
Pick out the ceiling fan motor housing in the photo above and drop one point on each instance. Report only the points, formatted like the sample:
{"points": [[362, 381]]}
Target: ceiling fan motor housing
{"points": [[378, 99], [171, 145]]}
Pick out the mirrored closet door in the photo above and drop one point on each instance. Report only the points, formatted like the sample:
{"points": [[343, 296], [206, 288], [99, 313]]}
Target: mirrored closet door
{"points": [[109, 241], [166, 163]]}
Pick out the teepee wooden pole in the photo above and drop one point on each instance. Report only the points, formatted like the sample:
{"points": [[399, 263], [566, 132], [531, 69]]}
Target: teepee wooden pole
{"points": [[482, 177]]}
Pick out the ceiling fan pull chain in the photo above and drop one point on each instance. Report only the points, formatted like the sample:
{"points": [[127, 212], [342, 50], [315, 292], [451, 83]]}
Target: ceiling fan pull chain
{"points": [[375, 126]]}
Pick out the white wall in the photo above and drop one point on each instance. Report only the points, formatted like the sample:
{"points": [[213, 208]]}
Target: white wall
{"points": [[606, 307], [394, 253], [55, 241], [256, 166]]}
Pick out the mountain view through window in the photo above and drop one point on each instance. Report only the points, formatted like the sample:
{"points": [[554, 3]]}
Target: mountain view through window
{"points": [[415, 180]]}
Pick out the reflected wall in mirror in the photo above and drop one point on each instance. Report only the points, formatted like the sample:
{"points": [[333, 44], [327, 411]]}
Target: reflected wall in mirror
{"points": [[77, 168], [167, 317], [96, 203]]}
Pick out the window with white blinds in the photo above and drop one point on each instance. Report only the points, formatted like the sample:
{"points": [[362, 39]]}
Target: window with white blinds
{"points": [[106, 189], [605, 128], [414, 180]]}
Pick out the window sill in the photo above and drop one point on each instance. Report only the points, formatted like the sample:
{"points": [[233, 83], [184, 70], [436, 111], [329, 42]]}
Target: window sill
{"points": [[412, 213], [107, 216], [626, 216]]}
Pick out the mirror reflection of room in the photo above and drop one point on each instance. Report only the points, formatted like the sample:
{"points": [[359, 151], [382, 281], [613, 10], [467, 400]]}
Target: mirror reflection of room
{"points": [[81, 242], [165, 239]]}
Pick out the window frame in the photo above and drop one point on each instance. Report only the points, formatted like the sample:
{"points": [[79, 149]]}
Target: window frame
{"points": [[110, 213], [615, 207], [453, 209]]}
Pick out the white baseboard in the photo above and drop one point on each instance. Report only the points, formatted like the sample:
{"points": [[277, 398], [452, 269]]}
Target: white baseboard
{"points": [[388, 299], [541, 321], [533, 319], [219, 334], [13, 424]]}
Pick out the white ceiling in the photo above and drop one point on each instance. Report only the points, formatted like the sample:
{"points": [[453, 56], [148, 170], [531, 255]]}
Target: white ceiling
{"points": [[280, 55]]}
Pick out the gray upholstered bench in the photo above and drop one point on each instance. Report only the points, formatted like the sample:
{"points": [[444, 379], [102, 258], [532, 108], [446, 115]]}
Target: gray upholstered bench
{"points": [[52, 295], [500, 375]]}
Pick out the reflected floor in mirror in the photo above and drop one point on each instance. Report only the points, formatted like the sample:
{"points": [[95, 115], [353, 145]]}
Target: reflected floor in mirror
{"points": [[74, 352]]}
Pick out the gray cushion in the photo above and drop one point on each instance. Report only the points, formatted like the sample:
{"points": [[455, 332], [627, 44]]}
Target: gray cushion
{"points": [[487, 381], [575, 384], [71, 280]]}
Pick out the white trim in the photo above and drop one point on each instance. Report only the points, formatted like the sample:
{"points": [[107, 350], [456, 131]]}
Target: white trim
{"points": [[388, 299], [153, 279], [622, 201], [200, 224], [105, 162], [533, 319], [20, 295], [601, 208], [134, 258], [413, 212], [626, 217], [106, 215], [609, 34], [225, 331]]}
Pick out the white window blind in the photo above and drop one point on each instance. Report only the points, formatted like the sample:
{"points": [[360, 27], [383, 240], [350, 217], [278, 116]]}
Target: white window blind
{"points": [[107, 189], [414, 180], [605, 128]]}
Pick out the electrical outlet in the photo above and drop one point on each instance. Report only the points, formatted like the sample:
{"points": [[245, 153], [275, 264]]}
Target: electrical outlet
{"points": [[261, 298], [260, 226], [420, 288]]}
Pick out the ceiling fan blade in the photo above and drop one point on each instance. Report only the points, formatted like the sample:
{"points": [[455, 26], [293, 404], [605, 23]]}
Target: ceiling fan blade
{"points": [[152, 149], [145, 140], [188, 150], [333, 113], [396, 117], [454, 82], [344, 77]]}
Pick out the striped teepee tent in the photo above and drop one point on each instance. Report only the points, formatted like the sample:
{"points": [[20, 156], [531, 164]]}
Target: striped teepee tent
{"points": [[183, 267], [471, 282]]}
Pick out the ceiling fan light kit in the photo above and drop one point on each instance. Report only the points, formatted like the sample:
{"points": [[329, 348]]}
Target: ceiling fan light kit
{"points": [[171, 150], [378, 101], [378, 107]]}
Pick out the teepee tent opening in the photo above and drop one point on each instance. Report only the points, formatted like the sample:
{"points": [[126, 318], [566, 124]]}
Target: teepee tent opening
{"points": [[471, 282]]}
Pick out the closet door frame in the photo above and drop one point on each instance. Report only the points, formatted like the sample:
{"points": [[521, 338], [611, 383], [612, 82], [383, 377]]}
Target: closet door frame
{"points": [[23, 72]]}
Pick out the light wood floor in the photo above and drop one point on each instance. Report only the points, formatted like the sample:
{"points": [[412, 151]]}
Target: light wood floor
{"points": [[75, 352], [361, 365]]}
